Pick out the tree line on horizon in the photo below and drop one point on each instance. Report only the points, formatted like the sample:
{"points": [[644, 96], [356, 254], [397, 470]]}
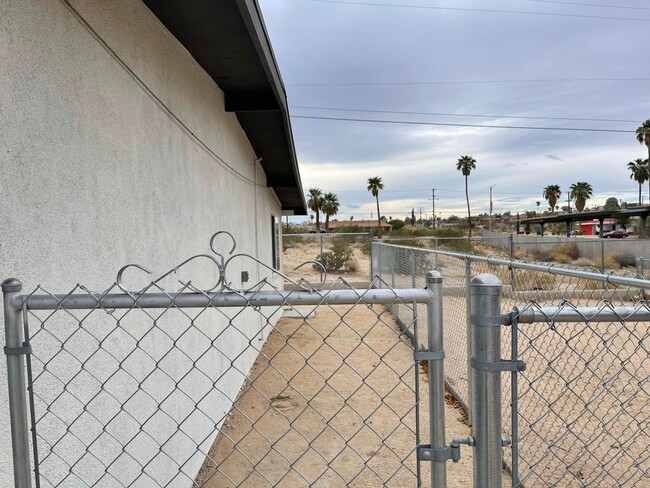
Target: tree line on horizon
{"points": [[580, 192]]}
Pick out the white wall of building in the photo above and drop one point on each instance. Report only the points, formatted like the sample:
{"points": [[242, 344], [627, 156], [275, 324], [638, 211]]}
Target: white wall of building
{"points": [[115, 148]]}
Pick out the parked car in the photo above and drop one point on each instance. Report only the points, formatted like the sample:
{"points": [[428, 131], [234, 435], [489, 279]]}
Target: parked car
{"points": [[616, 234]]}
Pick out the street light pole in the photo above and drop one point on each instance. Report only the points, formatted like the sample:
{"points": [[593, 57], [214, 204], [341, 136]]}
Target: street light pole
{"points": [[490, 227]]}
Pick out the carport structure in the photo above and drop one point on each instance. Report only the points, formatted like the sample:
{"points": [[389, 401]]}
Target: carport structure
{"points": [[568, 218]]}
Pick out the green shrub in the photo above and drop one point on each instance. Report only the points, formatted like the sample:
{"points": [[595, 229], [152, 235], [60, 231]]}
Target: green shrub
{"points": [[340, 253]]}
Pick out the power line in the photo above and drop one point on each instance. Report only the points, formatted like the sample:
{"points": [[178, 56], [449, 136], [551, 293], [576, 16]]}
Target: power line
{"points": [[474, 82], [409, 122], [482, 10], [589, 5], [340, 109]]}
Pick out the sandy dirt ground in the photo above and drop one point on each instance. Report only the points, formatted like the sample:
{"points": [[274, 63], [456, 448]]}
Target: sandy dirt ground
{"points": [[330, 403], [299, 252]]}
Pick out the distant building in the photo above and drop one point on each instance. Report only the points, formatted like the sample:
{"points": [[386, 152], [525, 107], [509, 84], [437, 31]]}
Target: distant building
{"points": [[591, 227]]}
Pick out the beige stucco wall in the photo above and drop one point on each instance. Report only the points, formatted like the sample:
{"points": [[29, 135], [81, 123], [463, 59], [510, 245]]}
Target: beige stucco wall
{"points": [[115, 155]]}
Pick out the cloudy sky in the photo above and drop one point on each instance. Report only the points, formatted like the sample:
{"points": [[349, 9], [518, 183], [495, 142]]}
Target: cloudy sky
{"points": [[504, 62]]}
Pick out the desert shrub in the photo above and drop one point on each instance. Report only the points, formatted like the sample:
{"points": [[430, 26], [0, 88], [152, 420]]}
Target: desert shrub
{"points": [[595, 285], [626, 259], [610, 262], [519, 253], [334, 261], [539, 255], [583, 262], [561, 258], [289, 242], [525, 279], [340, 253], [340, 243], [410, 231], [352, 265], [366, 247], [564, 251], [410, 243]]}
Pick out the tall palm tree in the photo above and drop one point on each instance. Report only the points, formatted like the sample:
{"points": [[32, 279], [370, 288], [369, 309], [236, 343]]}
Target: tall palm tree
{"points": [[581, 192], [639, 169], [330, 207], [374, 186], [315, 203], [465, 165], [552, 193], [643, 136]]}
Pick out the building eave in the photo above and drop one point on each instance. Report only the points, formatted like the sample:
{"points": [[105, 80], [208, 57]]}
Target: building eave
{"points": [[228, 39]]}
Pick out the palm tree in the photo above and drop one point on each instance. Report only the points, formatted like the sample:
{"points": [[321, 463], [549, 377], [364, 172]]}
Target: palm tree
{"points": [[315, 203], [552, 193], [639, 169], [465, 165], [581, 192], [374, 186], [643, 136], [330, 206]]}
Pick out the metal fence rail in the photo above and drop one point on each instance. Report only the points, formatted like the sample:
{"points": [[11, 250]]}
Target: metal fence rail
{"points": [[580, 411], [213, 388]]}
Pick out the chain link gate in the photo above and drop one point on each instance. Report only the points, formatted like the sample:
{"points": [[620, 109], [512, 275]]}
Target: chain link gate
{"points": [[203, 388], [575, 411]]}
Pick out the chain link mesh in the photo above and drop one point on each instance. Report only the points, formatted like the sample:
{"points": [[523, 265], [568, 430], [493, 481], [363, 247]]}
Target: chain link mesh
{"points": [[346, 255], [273, 395], [583, 400]]}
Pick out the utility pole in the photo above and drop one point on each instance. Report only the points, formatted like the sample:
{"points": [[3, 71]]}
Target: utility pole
{"points": [[420, 215], [433, 202], [490, 226]]}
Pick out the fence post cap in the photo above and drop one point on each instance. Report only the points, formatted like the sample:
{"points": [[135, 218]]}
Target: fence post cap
{"points": [[434, 277], [486, 280], [11, 284]]}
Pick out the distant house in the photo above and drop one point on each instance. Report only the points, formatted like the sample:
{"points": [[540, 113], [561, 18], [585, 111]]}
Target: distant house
{"points": [[592, 228], [133, 130], [342, 225]]}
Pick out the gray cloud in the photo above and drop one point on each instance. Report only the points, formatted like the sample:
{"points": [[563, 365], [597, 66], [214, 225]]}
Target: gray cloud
{"points": [[330, 43]]}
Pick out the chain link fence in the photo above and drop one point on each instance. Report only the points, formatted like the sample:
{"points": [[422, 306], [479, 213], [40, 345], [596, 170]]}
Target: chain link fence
{"points": [[578, 415], [224, 386], [341, 255]]}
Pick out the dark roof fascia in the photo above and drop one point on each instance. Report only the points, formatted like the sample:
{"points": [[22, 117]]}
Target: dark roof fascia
{"points": [[255, 24], [268, 134]]}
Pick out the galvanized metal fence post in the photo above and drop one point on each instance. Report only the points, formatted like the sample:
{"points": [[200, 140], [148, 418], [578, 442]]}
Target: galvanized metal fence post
{"points": [[15, 351], [485, 291], [436, 378], [468, 311]]}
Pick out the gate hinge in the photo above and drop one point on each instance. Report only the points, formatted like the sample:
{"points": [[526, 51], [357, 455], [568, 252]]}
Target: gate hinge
{"points": [[497, 365], [443, 454], [18, 351], [429, 355]]}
